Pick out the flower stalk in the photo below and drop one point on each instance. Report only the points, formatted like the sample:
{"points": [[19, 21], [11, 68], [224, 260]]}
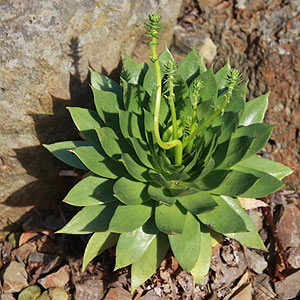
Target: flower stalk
{"points": [[175, 143]]}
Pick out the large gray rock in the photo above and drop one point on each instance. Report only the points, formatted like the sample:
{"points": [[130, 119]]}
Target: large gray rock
{"points": [[46, 48]]}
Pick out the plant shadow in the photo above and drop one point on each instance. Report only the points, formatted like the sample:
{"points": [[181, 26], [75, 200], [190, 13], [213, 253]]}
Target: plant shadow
{"points": [[45, 193]]}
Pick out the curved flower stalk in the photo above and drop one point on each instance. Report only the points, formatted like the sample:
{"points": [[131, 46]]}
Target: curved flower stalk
{"points": [[169, 153]]}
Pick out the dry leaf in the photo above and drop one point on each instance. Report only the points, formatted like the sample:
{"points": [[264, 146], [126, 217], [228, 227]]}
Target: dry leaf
{"points": [[241, 284], [26, 237], [251, 203]]}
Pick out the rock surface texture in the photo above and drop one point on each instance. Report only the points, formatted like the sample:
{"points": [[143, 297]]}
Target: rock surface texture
{"points": [[46, 49]]}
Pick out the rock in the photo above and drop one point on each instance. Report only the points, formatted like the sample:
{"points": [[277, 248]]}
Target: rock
{"points": [[263, 287], [6, 297], [3, 235], [293, 257], [24, 251], [58, 279], [150, 295], [30, 293], [244, 294], [89, 290], [54, 294], [47, 261], [185, 41], [14, 278], [256, 217], [228, 264], [12, 238], [46, 49], [6, 253], [289, 288], [117, 293], [289, 227], [257, 262]]}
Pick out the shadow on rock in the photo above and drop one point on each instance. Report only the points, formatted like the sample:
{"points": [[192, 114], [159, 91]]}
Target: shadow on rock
{"points": [[49, 188]]}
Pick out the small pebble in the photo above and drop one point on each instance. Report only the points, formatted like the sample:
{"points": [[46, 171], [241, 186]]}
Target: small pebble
{"points": [[54, 294], [30, 293]]}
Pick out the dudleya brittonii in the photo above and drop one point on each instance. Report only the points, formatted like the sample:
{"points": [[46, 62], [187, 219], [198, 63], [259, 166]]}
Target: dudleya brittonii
{"points": [[169, 150]]}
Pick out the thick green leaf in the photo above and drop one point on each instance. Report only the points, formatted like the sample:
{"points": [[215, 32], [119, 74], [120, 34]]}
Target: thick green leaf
{"points": [[223, 218], [237, 149], [229, 122], [255, 110], [59, 150], [221, 75], [191, 67], [212, 180], [146, 266], [170, 219], [210, 89], [197, 202], [135, 98], [237, 101], [90, 219], [130, 217], [250, 238], [101, 82], [202, 265], [86, 120], [142, 151], [133, 72], [261, 133], [236, 184], [130, 191], [135, 169], [186, 246], [130, 124], [96, 160], [92, 190], [273, 168], [113, 145], [161, 194], [98, 243], [132, 245], [208, 167], [159, 179], [205, 110], [107, 105], [149, 83], [262, 188]]}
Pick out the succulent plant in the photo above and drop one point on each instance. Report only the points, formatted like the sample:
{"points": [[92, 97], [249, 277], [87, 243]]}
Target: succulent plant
{"points": [[169, 151]]}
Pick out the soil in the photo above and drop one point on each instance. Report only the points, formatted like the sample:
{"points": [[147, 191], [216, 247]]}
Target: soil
{"points": [[261, 38]]}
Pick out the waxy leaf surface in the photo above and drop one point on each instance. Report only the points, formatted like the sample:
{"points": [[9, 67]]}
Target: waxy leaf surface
{"points": [[202, 265], [223, 218], [98, 243], [146, 266], [132, 245], [186, 246], [96, 160], [90, 219], [60, 151], [271, 167], [130, 217], [255, 110], [170, 219], [130, 191], [92, 190], [86, 120]]}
